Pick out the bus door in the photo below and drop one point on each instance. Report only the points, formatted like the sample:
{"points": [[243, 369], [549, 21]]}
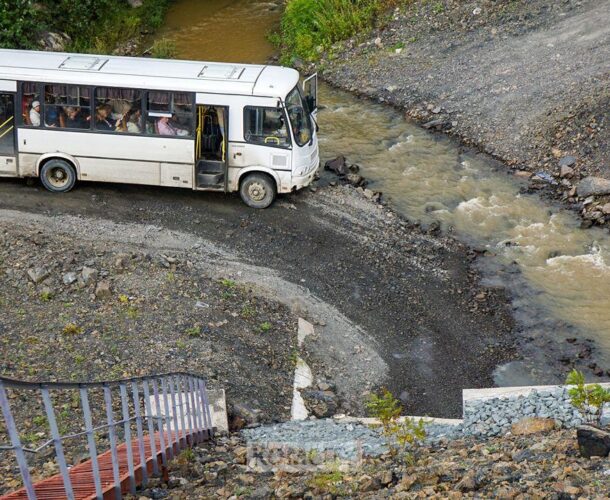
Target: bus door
{"points": [[8, 157], [211, 147]]}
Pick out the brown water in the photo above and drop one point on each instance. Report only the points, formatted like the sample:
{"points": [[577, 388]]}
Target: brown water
{"points": [[222, 30], [558, 274]]}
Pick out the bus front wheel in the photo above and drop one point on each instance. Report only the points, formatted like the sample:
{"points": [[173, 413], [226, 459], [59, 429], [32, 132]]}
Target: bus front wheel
{"points": [[258, 190], [58, 176]]}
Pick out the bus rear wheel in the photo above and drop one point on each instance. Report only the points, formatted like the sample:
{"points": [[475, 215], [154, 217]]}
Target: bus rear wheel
{"points": [[257, 190], [58, 176]]}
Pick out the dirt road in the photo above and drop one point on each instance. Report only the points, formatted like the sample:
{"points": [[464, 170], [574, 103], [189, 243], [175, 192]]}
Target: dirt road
{"points": [[394, 306]]}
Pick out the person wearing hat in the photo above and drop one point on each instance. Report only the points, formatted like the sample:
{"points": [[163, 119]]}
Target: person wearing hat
{"points": [[35, 114]]}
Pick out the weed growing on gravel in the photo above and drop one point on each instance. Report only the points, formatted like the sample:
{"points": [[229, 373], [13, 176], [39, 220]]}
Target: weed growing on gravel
{"points": [[294, 357], [330, 482], [588, 399], [194, 332], [123, 299], [243, 491], [187, 456], [265, 326], [406, 432], [132, 312], [46, 295], [181, 344], [72, 329], [248, 312], [171, 276], [227, 283], [438, 8]]}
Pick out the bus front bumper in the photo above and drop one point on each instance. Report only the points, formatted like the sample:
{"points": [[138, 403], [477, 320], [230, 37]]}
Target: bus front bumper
{"points": [[301, 181]]}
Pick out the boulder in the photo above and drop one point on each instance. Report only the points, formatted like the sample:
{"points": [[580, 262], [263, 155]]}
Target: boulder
{"points": [[532, 425], [322, 404], [102, 291], [593, 442], [38, 274], [54, 42], [593, 186], [338, 165]]}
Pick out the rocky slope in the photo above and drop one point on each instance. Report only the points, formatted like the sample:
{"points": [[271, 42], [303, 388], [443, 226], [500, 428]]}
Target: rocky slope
{"points": [[543, 465], [526, 81]]}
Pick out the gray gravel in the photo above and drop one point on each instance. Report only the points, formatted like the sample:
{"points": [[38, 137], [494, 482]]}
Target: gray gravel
{"points": [[346, 440]]}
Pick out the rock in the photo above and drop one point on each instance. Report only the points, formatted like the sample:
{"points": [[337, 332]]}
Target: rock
{"points": [[532, 425], [88, 275], [476, 11], [524, 174], [338, 165], [606, 209], [378, 42], [593, 186], [102, 291], [242, 415], [438, 124], [368, 483], [567, 161], [38, 274], [593, 442], [322, 404], [54, 42], [468, 482], [566, 171], [135, 3], [69, 278], [355, 179]]}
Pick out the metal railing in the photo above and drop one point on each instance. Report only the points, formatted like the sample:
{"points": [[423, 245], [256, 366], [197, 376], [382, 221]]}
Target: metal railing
{"points": [[166, 413]]}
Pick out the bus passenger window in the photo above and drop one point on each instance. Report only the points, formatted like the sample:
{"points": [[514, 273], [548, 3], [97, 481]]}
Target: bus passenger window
{"points": [[118, 110], [170, 113], [265, 126], [67, 106], [29, 112]]}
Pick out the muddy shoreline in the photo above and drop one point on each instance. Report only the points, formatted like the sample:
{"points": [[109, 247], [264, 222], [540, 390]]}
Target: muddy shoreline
{"points": [[482, 72]]}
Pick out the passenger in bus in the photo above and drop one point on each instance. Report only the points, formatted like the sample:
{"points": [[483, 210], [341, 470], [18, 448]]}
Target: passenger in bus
{"points": [[74, 118], [102, 118], [166, 127], [35, 114], [51, 118], [133, 121]]}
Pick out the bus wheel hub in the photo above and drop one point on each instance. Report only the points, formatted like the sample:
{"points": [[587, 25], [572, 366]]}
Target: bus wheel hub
{"points": [[256, 191]]}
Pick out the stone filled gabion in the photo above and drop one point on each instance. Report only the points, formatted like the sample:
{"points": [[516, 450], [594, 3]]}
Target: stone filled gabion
{"points": [[494, 416]]}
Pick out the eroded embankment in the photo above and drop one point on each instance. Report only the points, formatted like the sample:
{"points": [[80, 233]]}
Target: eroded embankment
{"points": [[525, 81]]}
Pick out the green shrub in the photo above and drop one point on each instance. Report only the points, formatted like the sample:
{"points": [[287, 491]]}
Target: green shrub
{"points": [[407, 432], [163, 49], [18, 26], [310, 26], [588, 399]]}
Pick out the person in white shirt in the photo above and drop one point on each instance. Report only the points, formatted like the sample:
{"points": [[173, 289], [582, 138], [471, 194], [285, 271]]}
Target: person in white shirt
{"points": [[35, 114]]}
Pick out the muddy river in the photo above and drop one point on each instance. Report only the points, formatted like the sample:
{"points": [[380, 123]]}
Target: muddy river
{"points": [[557, 274]]}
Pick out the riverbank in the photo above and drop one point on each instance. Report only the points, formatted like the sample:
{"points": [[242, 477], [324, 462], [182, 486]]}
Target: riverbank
{"points": [[526, 82]]}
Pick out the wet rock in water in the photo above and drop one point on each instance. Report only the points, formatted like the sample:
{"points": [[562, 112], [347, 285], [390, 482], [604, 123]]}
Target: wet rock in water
{"points": [[439, 124], [593, 186], [355, 180], [338, 166], [593, 442], [532, 425], [567, 161], [38, 274]]}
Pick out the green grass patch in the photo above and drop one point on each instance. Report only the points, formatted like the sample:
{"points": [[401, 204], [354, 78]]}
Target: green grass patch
{"points": [[310, 27]]}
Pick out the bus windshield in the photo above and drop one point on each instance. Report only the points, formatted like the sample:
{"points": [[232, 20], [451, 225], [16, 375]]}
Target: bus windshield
{"points": [[299, 117]]}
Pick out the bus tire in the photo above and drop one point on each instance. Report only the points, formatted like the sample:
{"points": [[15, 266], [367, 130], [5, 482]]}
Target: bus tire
{"points": [[58, 176], [257, 190]]}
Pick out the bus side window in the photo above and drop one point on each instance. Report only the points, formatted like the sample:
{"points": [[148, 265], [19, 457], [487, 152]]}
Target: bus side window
{"points": [[67, 106], [265, 126], [170, 114], [30, 95], [122, 110]]}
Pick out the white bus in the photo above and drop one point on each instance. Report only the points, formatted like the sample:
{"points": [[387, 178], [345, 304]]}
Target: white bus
{"points": [[198, 125]]}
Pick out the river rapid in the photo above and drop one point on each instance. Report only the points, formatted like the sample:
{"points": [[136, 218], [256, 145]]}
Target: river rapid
{"points": [[557, 274]]}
